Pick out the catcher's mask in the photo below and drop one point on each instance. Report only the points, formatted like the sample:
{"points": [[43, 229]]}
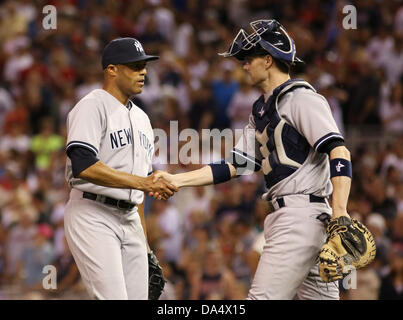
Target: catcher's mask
{"points": [[271, 37]]}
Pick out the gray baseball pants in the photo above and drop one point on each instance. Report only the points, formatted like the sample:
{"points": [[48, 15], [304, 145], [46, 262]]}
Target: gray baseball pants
{"points": [[293, 238], [109, 248]]}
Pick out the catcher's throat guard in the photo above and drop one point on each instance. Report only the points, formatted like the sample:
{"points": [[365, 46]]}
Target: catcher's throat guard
{"points": [[275, 41]]}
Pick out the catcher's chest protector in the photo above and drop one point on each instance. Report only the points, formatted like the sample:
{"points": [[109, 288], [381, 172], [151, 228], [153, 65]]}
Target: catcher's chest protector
{"points": [[284, 149]]}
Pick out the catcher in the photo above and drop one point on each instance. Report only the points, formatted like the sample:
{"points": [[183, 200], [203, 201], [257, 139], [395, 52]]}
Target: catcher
{"points": [[293, 138]]}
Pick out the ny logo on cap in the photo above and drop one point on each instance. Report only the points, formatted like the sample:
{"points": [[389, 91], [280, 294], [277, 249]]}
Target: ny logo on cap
{"points": [[138, 46]]}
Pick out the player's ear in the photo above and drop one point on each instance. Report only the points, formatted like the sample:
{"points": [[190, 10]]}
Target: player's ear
{"points": [[111, 70], [269, 61]]}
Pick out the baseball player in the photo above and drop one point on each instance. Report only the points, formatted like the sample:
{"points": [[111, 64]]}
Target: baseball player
{"points": [[110, 148], [293, 138]]}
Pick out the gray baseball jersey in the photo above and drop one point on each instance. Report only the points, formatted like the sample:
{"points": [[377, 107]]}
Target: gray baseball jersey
{"points": [[309, 114], [107, 243], [284, 139], [123, 139]]}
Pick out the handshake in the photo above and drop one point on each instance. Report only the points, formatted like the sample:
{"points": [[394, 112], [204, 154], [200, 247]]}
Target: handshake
{"points": [[161, 185]]}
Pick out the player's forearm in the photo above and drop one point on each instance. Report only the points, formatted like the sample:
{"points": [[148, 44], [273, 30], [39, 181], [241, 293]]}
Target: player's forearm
{"points": [[341, 191], [199, 177], [103, 175], [341, 185]]}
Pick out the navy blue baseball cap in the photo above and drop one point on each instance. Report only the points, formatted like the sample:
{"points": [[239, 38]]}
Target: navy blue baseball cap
{"points": [[124, 50]]}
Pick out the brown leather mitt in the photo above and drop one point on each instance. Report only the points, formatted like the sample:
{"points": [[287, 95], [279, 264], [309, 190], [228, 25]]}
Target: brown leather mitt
{"points": [[349, 245]]}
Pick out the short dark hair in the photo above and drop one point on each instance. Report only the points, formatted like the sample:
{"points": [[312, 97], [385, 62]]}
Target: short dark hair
{"points": [[282, 65]]}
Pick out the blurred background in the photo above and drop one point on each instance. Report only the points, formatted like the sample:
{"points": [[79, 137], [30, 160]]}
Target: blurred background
{"points": [[209, 239]]}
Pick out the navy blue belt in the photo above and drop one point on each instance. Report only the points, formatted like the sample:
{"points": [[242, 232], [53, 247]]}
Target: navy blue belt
{"points": [[120, 204], [312, 199]]}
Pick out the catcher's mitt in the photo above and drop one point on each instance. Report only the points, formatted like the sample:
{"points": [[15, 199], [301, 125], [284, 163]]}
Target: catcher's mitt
{"points": [[156, 281], [349, 243]]}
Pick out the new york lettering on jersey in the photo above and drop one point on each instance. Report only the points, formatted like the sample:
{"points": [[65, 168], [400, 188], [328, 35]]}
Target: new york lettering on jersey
{"points": [[145, 143], [121, 138]]}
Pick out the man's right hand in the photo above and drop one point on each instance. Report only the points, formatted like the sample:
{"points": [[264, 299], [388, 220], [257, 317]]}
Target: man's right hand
{"points": [[160, 189], [162, 175]]}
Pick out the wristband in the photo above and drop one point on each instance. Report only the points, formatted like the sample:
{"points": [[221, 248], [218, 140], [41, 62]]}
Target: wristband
{"points": [[340, 167], [221, 172]]}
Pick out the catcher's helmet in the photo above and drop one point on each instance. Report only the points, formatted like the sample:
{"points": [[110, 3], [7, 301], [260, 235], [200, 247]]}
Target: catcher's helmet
{"points": [[268, 36]]}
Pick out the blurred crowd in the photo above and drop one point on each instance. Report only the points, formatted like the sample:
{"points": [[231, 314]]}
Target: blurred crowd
{"points": [[208, 239]]}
